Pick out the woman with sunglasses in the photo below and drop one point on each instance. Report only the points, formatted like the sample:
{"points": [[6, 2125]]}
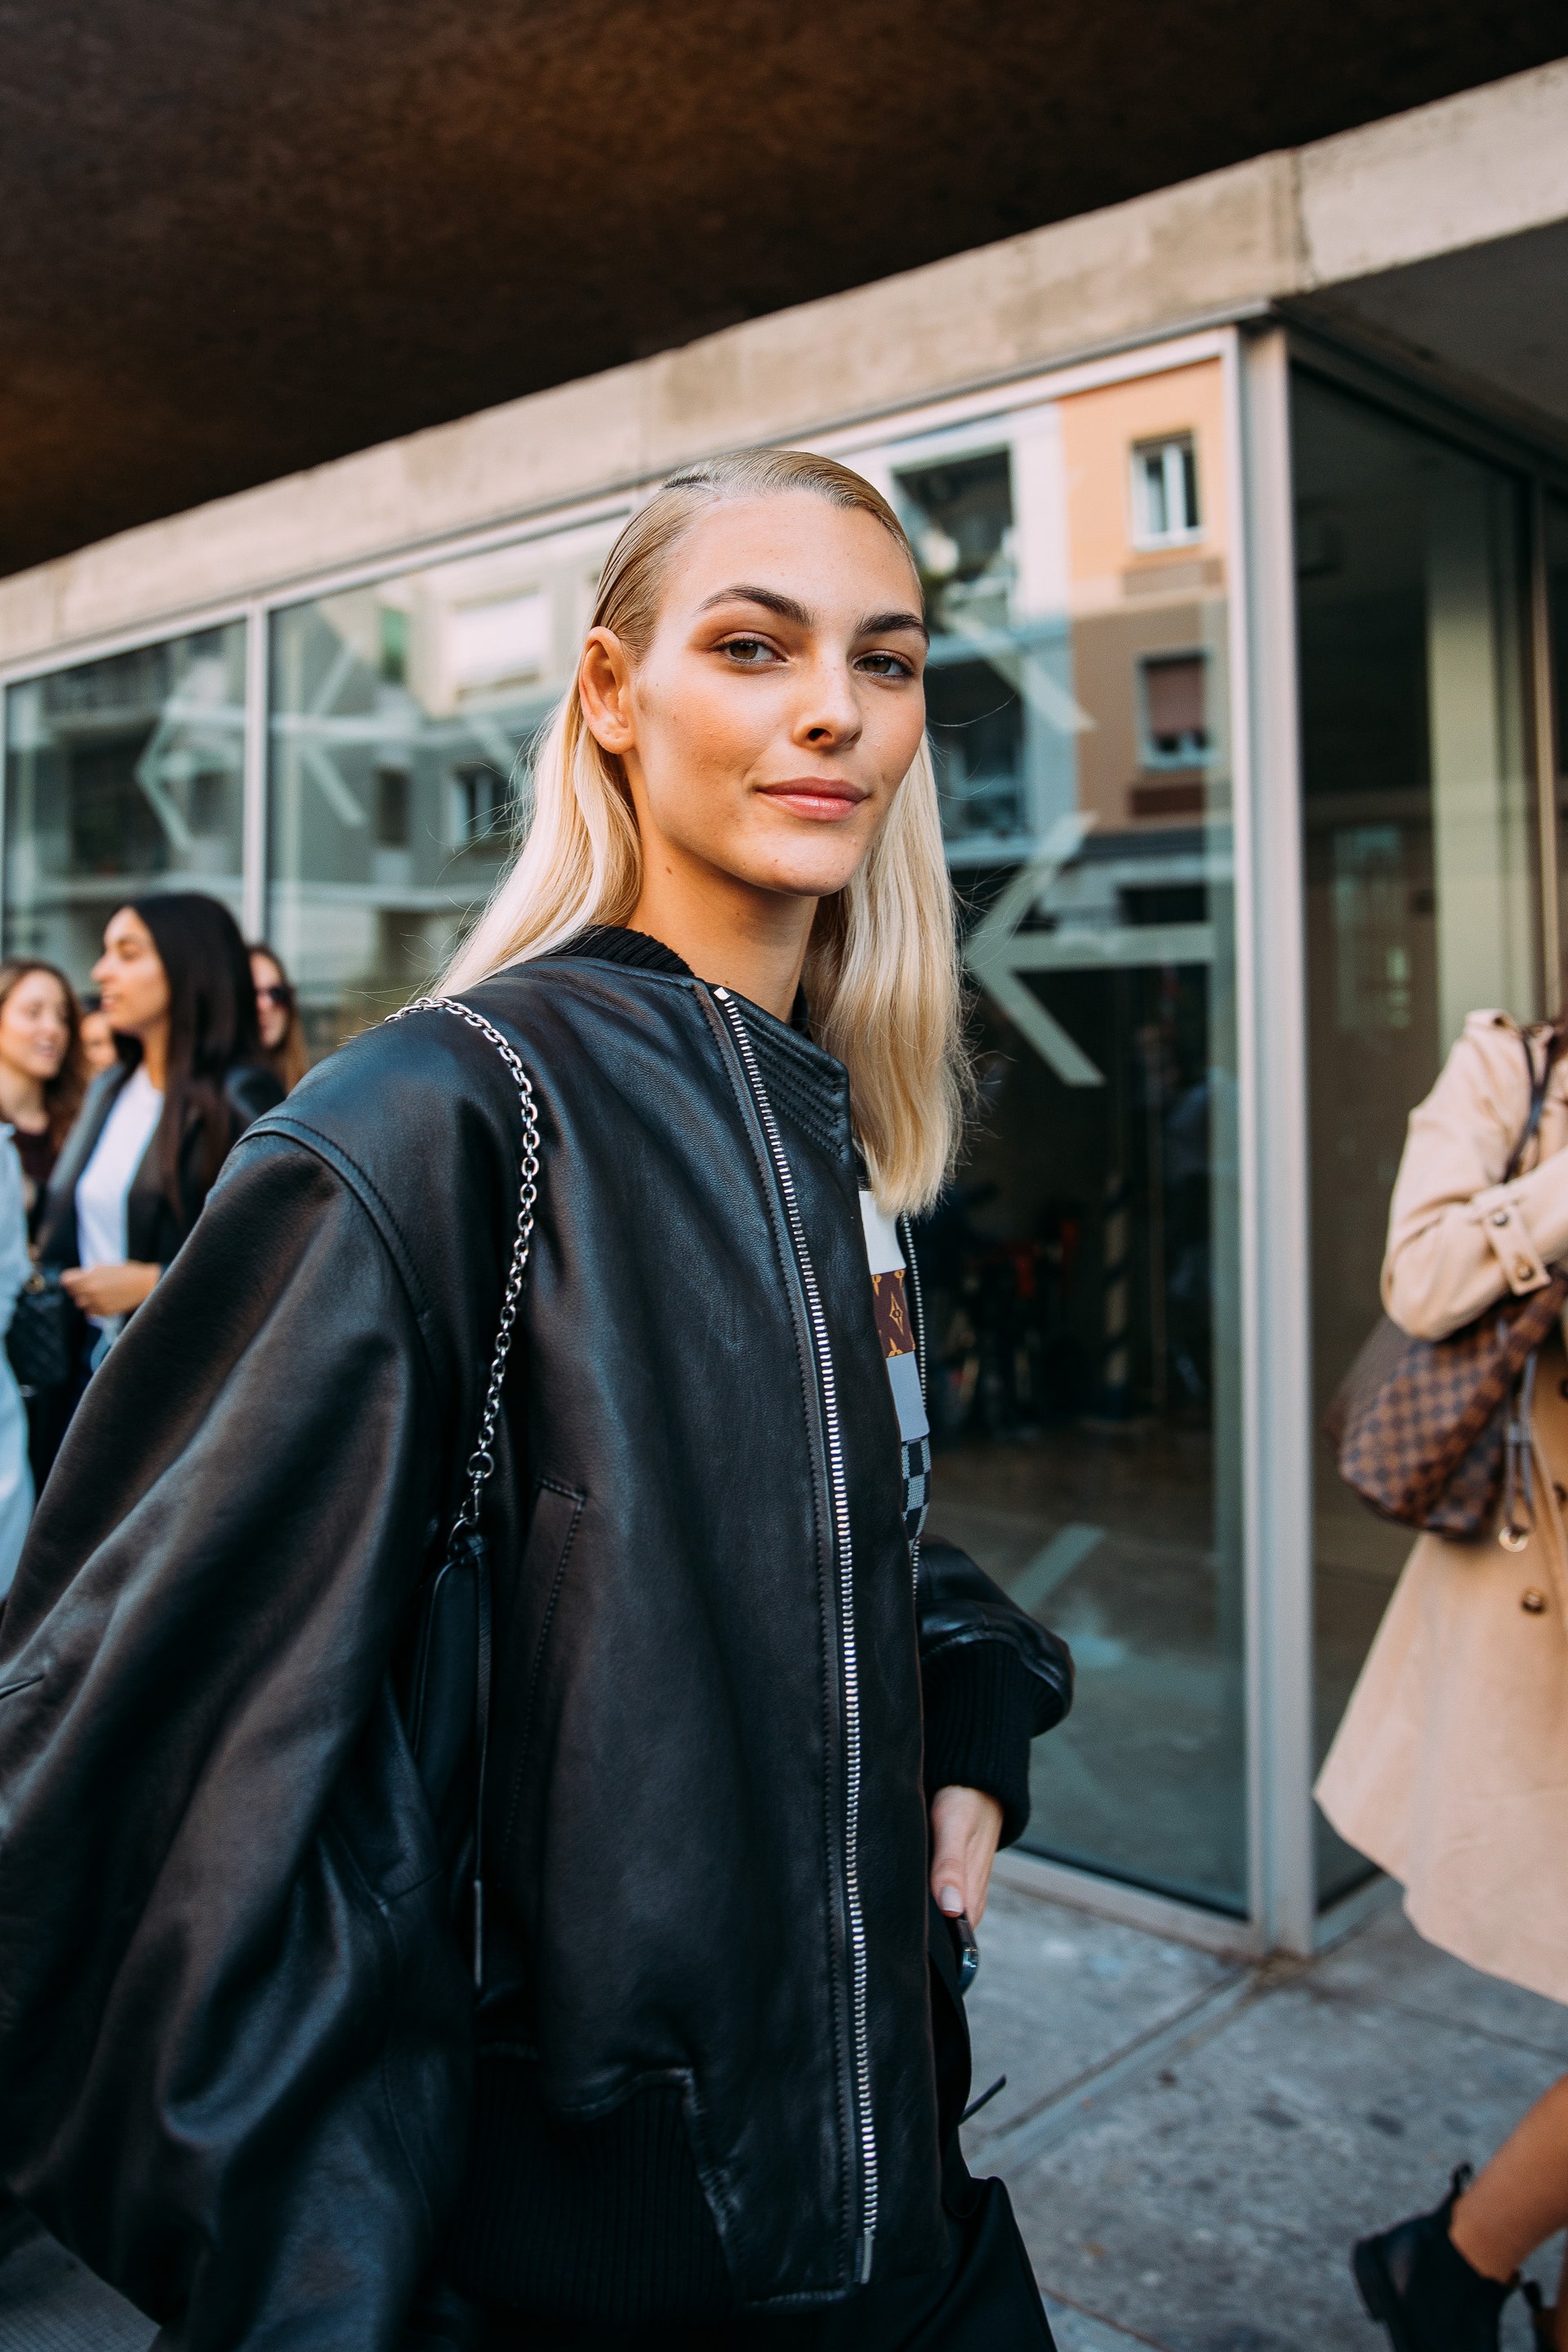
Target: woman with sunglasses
{"points": [[277, 1018]]}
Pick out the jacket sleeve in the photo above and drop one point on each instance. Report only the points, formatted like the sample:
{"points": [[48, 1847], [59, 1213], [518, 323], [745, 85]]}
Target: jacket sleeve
{"points": [[1459, 1237], [992, 1679], [234, 2020], [15, 1264]]}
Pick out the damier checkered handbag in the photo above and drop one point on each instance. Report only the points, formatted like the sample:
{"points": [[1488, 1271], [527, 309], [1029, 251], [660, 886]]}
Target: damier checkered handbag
{"points": [[1436, 1433]]}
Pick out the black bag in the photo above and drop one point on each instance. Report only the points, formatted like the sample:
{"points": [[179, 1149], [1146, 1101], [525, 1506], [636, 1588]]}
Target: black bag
{"points": [[446, 1707], [44, 1342]]}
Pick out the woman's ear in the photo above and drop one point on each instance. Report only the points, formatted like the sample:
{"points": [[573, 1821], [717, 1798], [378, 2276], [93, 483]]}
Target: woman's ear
{"points": [[605, 690]]}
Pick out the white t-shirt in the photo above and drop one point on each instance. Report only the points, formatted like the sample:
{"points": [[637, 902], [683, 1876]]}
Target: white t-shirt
{"points": [[895, 1328], [107, 1179]]}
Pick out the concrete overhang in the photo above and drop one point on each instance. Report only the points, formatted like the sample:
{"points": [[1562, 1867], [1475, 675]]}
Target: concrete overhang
{"points": [[1440, 232], [239, 237]]}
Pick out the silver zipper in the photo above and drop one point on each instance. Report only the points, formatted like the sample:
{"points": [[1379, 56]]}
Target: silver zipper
{"points": [[859, 1966], [918, 1315]]}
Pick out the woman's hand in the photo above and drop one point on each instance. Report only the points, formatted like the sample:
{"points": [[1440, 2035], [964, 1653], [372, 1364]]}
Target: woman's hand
{"points": [[110, 1289], [965, 1826]]}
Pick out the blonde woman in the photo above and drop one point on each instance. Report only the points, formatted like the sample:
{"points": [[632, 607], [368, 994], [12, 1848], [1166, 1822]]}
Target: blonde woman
{"points": [[747, 1750]]}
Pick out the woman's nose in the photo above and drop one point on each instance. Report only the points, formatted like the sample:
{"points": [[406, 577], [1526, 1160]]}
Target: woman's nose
{"points": [[830, 710]]}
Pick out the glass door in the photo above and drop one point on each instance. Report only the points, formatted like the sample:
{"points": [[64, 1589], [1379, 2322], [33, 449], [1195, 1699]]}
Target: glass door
{"points": [[1421, 858]]}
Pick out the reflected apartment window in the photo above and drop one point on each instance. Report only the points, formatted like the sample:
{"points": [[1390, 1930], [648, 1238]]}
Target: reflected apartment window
{"points": [[479, 804], [1165, 492], [1175, 701]]}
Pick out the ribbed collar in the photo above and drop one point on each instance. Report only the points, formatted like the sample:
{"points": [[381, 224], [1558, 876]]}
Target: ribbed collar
{"points": [[610, 943]]}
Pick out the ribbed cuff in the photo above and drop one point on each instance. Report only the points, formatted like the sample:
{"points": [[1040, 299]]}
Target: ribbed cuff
{"points": [[980, 1704]]}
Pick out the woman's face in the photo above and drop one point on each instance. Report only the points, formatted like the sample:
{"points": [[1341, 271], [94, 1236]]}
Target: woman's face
{"points": [[768, 727], [35, 1027], [272, 1002], [130, 977], [98, 1042]]}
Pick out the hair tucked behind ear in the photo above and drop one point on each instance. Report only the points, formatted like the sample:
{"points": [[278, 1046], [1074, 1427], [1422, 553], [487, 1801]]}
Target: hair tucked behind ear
{"points": [[882, 970]]}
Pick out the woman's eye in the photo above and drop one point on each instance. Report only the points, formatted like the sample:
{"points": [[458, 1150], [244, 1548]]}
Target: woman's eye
{"points": [[750, 652], [887, 666]]}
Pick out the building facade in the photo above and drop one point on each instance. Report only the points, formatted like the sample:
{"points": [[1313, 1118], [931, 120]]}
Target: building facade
{"points": [[1249, 613]]}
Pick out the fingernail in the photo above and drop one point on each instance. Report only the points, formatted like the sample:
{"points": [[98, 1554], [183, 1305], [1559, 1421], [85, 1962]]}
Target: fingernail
{"points": [[951, 1900]]}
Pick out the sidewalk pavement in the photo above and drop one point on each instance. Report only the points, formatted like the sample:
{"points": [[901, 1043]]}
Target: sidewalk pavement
{"points": [[1191, 2143]]}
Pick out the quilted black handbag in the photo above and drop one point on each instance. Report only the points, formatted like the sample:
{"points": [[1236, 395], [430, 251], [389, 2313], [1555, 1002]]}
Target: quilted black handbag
{"points": [[1435, 1433], [44, 1341]]}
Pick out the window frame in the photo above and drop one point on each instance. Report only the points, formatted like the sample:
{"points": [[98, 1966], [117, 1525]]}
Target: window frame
{"points": [[1152, 760], [1178, 453]]}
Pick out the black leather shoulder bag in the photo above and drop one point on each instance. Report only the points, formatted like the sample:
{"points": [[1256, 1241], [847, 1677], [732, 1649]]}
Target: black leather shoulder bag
{"points": [[447, 1705]]}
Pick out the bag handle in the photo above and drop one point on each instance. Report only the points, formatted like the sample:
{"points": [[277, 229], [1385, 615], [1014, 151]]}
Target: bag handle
{"points": [[1519, 1478], [1538, 1085], [466, 1539]]}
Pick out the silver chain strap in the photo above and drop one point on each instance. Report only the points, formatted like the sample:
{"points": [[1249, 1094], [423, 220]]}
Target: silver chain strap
{"points": [[481, 1460]]}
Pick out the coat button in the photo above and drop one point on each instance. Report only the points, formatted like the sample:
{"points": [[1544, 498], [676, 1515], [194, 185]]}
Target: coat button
{"points": [[1533, 1603], [1522, 1270]]}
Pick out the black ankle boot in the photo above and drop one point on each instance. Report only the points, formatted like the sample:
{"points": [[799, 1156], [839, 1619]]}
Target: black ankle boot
{"points": [[1414, 2280]]}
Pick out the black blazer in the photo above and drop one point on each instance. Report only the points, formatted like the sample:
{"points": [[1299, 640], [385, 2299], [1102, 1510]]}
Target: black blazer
{"points": [[152, 1230]]}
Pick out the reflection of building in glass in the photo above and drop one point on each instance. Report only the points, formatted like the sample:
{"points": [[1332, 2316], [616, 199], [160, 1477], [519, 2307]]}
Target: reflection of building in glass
{"points": [[122, 775], [401, 713], [1076, 693]]}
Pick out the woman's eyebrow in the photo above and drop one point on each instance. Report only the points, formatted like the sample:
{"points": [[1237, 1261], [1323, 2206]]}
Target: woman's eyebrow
{"points": [[882, 625], [770, 599], [788, 608]]}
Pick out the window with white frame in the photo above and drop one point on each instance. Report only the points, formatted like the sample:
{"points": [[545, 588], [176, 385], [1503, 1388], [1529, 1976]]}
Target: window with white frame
{"points": [[1166, 512]]}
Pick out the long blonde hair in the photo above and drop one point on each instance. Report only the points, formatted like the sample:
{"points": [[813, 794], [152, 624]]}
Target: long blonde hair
{"points": [[882, 974]]}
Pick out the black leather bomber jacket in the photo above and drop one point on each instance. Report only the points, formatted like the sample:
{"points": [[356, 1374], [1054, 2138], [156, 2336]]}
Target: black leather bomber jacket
{"points": [[237, 2027]]}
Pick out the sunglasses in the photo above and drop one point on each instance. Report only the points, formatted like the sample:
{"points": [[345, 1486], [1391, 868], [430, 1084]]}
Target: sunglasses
{"points": [[280, 994]]}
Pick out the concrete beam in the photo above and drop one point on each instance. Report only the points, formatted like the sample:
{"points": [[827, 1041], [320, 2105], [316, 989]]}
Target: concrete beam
{"points": [[1460, 173]]}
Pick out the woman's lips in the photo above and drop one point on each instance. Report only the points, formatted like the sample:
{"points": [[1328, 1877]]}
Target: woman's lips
{"points": [[815, 796]]}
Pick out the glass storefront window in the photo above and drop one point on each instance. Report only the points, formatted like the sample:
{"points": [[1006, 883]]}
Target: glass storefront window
{"points": [[122, 776], [1081, 1272], [398, 713], [1422, 886]]}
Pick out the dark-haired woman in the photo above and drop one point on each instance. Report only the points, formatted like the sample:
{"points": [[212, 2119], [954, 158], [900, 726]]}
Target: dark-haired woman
{"points": [[43, 1070], [155, 1129], [278, 1016]]}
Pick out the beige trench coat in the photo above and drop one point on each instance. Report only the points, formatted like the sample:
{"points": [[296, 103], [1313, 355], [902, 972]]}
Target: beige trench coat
{"points": [[1450, 1769]]}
